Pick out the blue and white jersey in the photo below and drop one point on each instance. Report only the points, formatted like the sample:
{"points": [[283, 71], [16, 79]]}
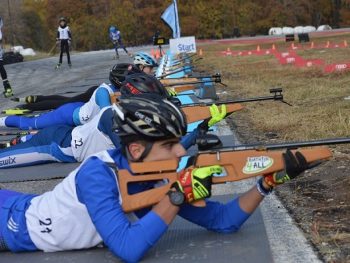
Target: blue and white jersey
{"points": [[115, 36], [63, 33], [88, 139], [99, 99], [85, 209]]}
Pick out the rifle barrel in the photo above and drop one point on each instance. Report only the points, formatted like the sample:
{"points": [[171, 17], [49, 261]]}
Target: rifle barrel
{"points": [[274, 97], [276, 146]]}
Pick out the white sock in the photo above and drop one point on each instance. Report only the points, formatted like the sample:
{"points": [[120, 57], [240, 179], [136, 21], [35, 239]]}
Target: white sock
{"points": [[2, 121]]}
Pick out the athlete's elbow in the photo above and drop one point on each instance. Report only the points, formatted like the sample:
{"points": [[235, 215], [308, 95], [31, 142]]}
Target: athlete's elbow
{"points": [[130, 255]]}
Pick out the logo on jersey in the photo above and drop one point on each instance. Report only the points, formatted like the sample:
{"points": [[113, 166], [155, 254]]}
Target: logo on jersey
{"points": [[8, 161], [12, 225]]}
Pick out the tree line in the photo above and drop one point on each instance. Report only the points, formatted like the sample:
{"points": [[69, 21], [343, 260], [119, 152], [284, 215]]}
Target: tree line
{"points": [[33, 23]]}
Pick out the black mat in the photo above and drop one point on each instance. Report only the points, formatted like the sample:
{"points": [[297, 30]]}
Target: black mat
{"points": [[183, 242], [37, 172]]}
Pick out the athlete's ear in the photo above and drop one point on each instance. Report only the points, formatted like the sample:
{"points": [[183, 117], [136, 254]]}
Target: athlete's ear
{"points": [[136, 149]]}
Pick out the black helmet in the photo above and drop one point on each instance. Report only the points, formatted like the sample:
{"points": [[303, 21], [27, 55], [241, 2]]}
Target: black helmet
{"points": [[120, 71], [62, 18], [143, 83], [148, 117]]}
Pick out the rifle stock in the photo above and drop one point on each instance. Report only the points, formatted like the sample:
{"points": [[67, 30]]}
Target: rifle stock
{"points": [[238, 165], [199, 113], [166, 82]]}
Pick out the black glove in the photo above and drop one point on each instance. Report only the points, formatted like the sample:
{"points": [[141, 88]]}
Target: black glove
{"points": [[294, 165]]}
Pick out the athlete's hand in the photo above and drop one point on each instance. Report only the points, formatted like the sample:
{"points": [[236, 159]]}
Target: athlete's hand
{"points": [[294, 165], [196, 183], [172, 92], [216, 115]]}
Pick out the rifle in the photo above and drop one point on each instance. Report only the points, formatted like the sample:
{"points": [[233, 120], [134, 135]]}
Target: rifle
{"points": [[174, 72], [185, 63], [277, 95], [239, 163], [213, 79], [184, 79], [185, 58], [200, 111]]}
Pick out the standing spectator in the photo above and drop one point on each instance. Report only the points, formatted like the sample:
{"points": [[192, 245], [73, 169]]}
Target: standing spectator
{"points": [[116, 38], [64, 38], [8, 90]]}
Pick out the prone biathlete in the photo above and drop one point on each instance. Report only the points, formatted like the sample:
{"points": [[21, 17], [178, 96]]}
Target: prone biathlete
{"points": [[72, 114], [61, 143], [143, 62], [75, 113], [85, 209]]}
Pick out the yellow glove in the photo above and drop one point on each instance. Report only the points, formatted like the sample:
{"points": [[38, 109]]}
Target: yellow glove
{"points": [[172, 92], [216, 115]]}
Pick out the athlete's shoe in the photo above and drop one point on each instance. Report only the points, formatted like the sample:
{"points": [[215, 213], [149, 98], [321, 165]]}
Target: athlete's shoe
{"points": [[8, 90], [131, 55], [8, 93], [16, 111], [58, 66]]}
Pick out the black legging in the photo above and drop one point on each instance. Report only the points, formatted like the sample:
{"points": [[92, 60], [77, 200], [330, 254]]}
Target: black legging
{"points": [[2, 70], [54, 101], [64, 48]]}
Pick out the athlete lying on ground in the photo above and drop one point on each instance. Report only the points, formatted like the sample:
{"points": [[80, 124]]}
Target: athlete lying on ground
{"points": [[84, 210], [62, 143]]}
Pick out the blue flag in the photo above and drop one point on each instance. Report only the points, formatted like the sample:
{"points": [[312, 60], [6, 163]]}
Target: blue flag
{"points": [[171, 18]]}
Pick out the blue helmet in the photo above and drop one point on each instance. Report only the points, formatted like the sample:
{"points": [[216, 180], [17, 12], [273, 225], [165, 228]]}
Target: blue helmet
{"points": [[142, 58], [112, 29]]}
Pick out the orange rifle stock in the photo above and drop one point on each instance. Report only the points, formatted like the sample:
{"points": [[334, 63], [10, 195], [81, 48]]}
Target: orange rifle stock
{"points": [[238, 165]]}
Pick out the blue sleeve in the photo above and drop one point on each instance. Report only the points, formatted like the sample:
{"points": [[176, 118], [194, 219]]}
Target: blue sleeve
{"points": [[190, 139], [222, 218], [102, 98], [106, 126], [97, 189]]}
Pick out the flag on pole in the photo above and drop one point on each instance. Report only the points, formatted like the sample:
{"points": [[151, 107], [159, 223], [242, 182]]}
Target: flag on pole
{"points": [[171, 18]]}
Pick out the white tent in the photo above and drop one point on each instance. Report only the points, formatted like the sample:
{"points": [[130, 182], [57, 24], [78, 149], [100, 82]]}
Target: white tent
{"points": [[275, 31]]}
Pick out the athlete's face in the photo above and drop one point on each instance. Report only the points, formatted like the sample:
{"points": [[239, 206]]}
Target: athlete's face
{"points": [[147, 70], [62, 23], [161, 150]]}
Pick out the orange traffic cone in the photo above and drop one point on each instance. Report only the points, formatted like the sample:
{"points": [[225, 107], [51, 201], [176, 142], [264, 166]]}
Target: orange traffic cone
{"points": [[273, 47], [258, 48], [327, 45], [156, 54], [152, 52], [345, 43], [292, 45], [312, 45], [200, 52]]}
